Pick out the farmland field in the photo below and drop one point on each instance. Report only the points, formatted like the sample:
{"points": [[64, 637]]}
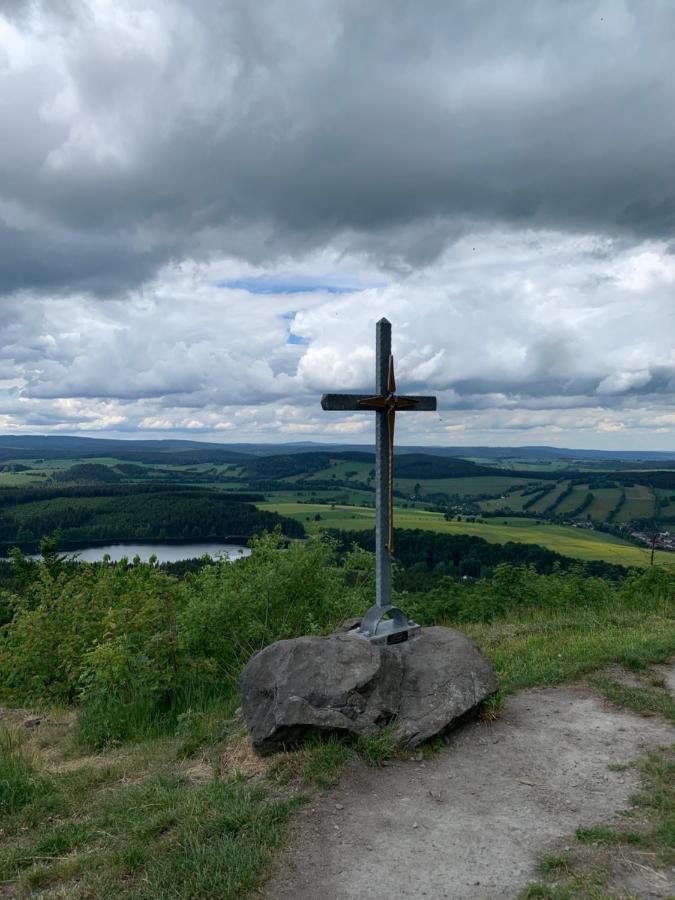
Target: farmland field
{"points": [[604, 500], [667, 494], [576, 498], [342, 470], [639, 504], [577, 542], [470, 486]]}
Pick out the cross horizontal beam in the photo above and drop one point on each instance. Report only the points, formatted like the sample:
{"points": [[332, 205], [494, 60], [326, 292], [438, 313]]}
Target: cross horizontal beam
{"points": [[360, 402]]}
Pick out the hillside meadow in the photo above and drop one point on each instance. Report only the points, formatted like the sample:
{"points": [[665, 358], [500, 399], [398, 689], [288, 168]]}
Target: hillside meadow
{"points": [[124, 769]]}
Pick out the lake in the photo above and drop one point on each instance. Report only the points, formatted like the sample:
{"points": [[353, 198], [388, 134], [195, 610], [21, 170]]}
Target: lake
{"points": [[163, 552]]}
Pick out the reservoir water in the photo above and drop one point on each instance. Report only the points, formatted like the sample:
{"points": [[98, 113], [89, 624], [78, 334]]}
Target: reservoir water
{"points": [[163, 552]]}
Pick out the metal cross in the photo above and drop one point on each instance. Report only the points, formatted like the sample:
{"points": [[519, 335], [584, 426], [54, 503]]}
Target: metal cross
{"points": [[385, 403]]}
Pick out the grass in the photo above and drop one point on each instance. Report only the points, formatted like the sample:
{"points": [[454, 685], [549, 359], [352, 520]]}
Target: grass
{"points": [[158, 818], [646, 831], [540, 647], [644, 838], [320, 761], [190, 814], [580, 543], [20, 782], [650, 700], [135, 822]]}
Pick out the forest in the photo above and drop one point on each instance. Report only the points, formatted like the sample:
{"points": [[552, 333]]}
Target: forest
{"points": [[417, 552], [117, 514]]}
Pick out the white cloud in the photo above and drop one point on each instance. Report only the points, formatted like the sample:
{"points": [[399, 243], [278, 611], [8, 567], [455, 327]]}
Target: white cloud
{"points": [[156, 150], [557, 360], [620, 382]]}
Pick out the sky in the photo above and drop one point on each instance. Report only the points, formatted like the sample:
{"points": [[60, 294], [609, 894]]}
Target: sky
{"points": [[205, 206]]}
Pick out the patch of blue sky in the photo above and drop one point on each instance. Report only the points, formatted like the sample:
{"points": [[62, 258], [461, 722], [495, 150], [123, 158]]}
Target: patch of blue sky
{"points": [[269, 284], [296, 339]]}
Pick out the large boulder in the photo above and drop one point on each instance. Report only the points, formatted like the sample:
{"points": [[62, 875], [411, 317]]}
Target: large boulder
{"points": [[344, 683], [336, 683], [445, 680]]}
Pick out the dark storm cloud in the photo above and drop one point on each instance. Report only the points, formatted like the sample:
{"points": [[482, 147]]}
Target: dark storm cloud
{"points": [[98, 262], [143, 133]]}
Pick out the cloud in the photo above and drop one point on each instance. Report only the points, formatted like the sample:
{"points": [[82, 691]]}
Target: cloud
{"points": [[523, 336], [143, 133], [619, 382], [205, 207]]}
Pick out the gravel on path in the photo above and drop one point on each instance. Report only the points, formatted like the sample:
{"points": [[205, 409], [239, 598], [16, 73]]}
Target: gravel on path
{"points": [[470, 822]]}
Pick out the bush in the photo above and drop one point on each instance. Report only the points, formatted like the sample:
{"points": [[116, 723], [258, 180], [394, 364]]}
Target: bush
{"points": [[140, 651], [512, 587], [136, 647]]}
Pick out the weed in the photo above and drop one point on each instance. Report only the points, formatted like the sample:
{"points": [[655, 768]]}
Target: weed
{"points": [[375, 748], [606, 835], [644, 700], [491, 709], [20, 782], [327, 758], [553, 863]]}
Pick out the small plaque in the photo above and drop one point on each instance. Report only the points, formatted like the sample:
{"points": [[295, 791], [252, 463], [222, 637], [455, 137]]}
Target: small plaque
{"points": [[398, 637]]}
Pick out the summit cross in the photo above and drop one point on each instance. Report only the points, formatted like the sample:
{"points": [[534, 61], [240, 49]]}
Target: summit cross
{"points": [[385, 403]]}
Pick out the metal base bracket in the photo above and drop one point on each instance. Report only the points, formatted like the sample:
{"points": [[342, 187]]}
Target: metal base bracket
{"points": [[378, 630]]}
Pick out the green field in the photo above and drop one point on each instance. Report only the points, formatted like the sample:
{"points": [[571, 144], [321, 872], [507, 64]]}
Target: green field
{"points": [[549, 498], [341, 470], [667, 494], [18, 479], [639, 504], [469, 486], [340, 495], [604, 500], [570, 503], [577, 542]]}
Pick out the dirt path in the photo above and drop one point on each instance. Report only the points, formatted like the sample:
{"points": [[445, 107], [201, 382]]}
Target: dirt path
{"points": [[470, 822]]}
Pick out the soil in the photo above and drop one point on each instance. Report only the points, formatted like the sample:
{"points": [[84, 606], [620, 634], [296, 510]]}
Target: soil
{"points": [[470, 822]]}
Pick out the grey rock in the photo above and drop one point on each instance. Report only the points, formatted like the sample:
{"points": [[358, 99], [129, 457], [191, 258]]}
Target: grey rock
{"points": [[445, 680], [343, 683], [335, 683]]}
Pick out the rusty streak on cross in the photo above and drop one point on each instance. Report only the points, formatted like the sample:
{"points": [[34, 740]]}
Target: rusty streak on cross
{"points": [[385, 403]]}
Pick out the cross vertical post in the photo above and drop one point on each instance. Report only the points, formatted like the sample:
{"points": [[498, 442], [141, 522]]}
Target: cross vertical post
{"points": [[383, 472], [374, 626]]}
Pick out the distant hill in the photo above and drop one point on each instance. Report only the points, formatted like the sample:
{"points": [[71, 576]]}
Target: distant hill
{"points": [[413, 465], [16, 447]]}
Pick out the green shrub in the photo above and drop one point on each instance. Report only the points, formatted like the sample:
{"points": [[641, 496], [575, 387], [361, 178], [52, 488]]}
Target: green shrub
{"points": [[514, 587], [136, 648], [235, 610]]}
